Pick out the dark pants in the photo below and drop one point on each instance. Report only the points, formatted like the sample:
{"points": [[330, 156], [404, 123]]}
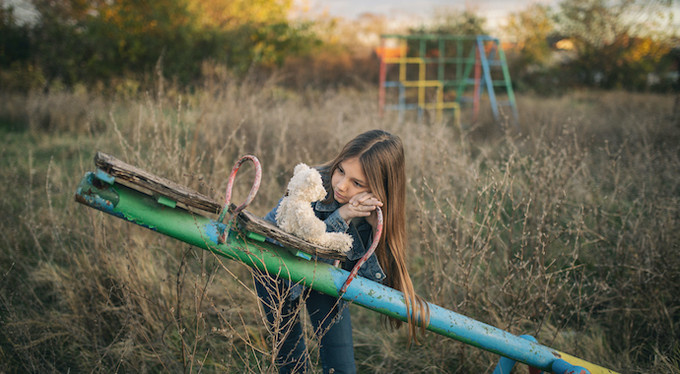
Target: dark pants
{"points": [[330, 319]]}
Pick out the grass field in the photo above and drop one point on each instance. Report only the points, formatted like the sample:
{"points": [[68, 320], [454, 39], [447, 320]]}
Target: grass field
{"points": [[566, 228]]}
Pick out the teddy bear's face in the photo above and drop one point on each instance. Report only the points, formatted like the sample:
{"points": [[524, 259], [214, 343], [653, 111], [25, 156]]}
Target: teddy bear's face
{"points": [[306, 184]]}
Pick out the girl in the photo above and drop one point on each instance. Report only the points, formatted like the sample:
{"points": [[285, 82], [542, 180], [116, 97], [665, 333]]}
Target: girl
{"points": [[368, 173]]}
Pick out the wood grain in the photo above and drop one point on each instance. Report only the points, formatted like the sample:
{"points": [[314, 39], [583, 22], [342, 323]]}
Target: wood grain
{"points": [[145, 182]]}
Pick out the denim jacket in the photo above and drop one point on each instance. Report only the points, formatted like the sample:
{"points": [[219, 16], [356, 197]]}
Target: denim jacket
{"points": [[360, 230]]}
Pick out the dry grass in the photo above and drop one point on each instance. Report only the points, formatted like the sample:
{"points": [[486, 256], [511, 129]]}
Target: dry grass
{"points": [[567, 230]]}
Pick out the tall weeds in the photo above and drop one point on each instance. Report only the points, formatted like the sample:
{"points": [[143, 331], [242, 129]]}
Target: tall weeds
{"points": [[566, 230]]}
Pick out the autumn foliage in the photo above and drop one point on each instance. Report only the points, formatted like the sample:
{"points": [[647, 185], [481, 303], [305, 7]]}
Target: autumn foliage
{"points": [[627, 44], [90, 41]]}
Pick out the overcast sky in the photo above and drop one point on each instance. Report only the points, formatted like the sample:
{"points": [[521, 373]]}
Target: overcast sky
{"points": [[493, 10], [417, 11]]}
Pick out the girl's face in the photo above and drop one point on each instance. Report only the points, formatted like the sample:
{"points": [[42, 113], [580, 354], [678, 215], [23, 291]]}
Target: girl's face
{"points": [[348, 180]]}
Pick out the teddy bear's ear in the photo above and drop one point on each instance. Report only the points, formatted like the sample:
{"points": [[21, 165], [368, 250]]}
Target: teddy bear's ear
{"points": [[300, 168]]}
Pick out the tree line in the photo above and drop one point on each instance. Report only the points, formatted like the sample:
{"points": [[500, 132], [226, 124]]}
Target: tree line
{"points": [[629, 44], [86, 41]]}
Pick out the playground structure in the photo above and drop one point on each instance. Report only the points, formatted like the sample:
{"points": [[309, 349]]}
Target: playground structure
{"points": [[139, 197], [437, 72]]}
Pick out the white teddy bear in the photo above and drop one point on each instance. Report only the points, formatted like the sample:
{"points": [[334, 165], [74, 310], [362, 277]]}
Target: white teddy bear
{"points": [[296, 216]]}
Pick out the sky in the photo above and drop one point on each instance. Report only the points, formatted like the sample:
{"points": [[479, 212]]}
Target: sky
{"points": [[417, 12], [494, 11], [411, 12]]}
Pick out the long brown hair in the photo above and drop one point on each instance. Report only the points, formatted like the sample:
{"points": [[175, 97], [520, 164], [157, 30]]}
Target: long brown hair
{"points": [[381, 156]]}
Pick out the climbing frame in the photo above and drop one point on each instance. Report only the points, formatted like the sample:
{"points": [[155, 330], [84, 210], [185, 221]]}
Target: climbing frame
{"points": [[440, 73]]}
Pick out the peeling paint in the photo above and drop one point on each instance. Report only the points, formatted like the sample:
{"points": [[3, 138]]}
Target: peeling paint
{"points": [[204, 233], [212, 230]]}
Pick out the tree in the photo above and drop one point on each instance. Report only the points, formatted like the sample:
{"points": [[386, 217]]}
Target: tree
{"points": [[14, 39], [229, 15], [530, 30], [529, 60], [109, 38], [454, 22], [617, 42]]}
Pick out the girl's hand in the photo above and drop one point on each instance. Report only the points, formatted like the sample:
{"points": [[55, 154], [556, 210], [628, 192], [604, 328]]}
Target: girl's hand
{"points": [[362, 204]]}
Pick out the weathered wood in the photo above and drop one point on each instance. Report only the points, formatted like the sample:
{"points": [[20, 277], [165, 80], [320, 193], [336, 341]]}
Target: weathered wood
{"points": [[251, 222], [145, 182], [132, 176]]}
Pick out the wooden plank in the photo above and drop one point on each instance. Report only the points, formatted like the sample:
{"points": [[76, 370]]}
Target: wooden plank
{"points": [[251, 222], [135, 177], [148, 183]]}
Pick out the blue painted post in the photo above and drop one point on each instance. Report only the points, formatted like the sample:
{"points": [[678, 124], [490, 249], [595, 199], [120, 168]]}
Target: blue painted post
{"points": [[487, 76]]}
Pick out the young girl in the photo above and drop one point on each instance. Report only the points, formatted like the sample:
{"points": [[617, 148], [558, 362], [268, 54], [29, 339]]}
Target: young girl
{"points": [[368, 173]]}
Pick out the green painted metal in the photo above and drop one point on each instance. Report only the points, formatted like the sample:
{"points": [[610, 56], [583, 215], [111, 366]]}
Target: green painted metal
{"points": [[255, 236], [199, 231], [465, 79], [508, 83], [203, 232], [167, 202], [431, 37]]}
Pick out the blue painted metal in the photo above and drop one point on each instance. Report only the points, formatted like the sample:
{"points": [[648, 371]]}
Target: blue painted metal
{"points": [[505, 364], [489, 60], [561, 366], [104, 176], [487, 76], [203, 232]]}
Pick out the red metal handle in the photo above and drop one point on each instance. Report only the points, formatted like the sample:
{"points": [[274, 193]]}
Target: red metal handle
{"points": [[230, 185], [371, 249]]}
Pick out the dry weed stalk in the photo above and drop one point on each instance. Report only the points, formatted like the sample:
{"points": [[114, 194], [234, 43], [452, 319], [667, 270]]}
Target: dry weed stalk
{"points": [[568, 231]]}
